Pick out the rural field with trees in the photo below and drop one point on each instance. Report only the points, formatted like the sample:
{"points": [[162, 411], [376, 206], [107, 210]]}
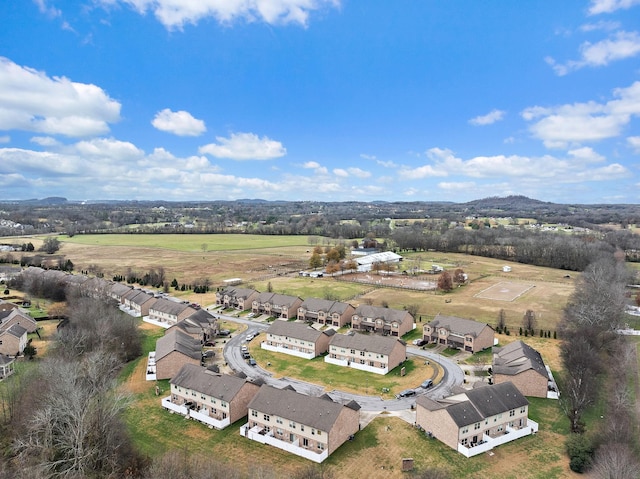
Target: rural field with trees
{"points": [[564, 292]]}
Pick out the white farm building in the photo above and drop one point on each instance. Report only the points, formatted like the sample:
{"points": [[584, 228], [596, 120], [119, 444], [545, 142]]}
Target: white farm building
{"points": [[365, 263]]}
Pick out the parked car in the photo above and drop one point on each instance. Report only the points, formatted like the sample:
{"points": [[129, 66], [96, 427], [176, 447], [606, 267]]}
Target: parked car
{"points": [[250, 336], [245, 355], [210, 344], [406, 393], [224, 332], [426, 384], [244, 348], [252, 362], [419, 342]]}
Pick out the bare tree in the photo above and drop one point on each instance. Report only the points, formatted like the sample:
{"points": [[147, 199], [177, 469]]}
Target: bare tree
{"points": [[529, 320], [616, 461], [502, 320]]}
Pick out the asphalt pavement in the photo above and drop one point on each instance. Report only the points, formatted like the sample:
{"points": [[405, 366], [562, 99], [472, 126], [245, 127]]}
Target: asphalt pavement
{"points": [[453, 375]]}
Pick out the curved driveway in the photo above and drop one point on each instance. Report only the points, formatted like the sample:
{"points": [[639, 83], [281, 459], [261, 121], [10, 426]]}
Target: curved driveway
{"points": [[453, 375]]}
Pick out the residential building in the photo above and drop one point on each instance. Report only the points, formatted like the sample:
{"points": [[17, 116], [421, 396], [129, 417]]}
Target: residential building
{"points": [[478, 420], [174, 350], [167, 311], [276, 305], [118, 290], [6, 366], [15, 316], [297, 339], [139, 302], [310, 427], [523, 366], [459, 333], [372, 353], [237, 298], [385, 321], [201, 325], [13, 340], [325, 311], [209, 397]]}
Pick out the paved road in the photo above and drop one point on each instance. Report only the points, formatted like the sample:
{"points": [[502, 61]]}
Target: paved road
{"points": [[453, 375]]}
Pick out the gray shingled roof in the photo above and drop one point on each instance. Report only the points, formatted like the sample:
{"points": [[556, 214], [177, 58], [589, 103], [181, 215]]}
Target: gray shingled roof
{"points": [[141, 297], [517, 357], [277, 299], [5, 360], [297, 330], [199, 379], [16, 330], [327, 305], [176, 340], [387, 314], [169, 307], [366, 342], [238, 292], [458, 325], [480, 403], [119, 289], [315, 412]]}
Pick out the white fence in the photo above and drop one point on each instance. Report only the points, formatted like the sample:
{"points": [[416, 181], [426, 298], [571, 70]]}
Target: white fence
{"points": [[355, 365], [268, 438], [289, 351], [491, 442]]}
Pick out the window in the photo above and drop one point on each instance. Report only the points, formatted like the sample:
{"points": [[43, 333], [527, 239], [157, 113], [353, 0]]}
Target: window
{"points": [[223, 404], [465, 441], [523, 409], [266, 417], [279, 420], [362, 361], [292, 424], [305, 442], [302, 427], [321, 446], [254, 413], [512, 413], [361, 353], [500, 427], [313, 432], [476, 425], [465, 429], [213, 401], [353, 351]]}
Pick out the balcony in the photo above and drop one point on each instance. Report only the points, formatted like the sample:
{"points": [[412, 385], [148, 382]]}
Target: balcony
{"points": [[193, 414], [258, 434], [489, 442]]}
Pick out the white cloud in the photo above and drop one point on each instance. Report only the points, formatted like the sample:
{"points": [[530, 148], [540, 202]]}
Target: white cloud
{"points": [[351, 172], [456, 186], [44, 141], [607, 26], [608, 6], [317, 167], [244, 146], [5, 139], [179, 123], [575, 167], [367, 157], [31, 101], [46, 9], [634, 143], [618, 47], [176, 13], [488, 119], [573, 124]]}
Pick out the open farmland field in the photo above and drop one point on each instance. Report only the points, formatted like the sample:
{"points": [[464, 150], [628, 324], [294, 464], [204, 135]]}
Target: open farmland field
{"points": [[260, 260]]}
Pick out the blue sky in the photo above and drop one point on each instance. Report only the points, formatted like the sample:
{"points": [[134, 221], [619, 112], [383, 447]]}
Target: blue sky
{"points": [[335, 100]]}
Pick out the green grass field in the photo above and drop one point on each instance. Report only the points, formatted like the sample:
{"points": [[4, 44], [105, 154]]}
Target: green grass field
{"points": [[189, 242]]}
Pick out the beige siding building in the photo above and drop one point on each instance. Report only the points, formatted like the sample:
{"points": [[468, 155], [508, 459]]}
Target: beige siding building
{"points": [[478, 420], [385, 321], [459, 333], [215, 399], [170, 312], [14, 316], [237, 298], [13, 340], [310, 427], [297, 339], [280, 306], [324, 311], [372, 353]]}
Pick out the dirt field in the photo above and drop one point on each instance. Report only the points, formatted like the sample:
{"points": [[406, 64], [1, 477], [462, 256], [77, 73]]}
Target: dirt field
{"points": [[505, 291]]}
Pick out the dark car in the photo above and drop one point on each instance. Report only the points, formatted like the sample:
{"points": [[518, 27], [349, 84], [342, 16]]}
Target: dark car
{"points": [[245, 355], [426, 384], [252, 362], [406, 393], [224, 332]]}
